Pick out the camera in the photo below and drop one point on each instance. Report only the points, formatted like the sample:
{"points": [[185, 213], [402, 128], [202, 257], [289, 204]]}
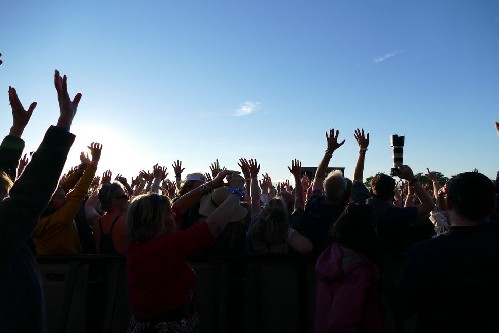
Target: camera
{"points": [[397, 143]]}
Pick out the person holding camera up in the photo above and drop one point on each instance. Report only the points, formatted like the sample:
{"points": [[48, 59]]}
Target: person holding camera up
{"points": [[392, 224]]}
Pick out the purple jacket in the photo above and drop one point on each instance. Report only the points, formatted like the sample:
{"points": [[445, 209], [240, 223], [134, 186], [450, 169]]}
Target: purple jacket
{"points": [[346, 292]]}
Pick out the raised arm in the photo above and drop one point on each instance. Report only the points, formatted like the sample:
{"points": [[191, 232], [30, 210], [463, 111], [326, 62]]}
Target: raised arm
{"points": [[187, 200], [295, 170], [244, 165], [159, 174], [426, 201], [332, 145], [33, 189], [177, 168], [363, 142], [254, 168], [12, 146]]}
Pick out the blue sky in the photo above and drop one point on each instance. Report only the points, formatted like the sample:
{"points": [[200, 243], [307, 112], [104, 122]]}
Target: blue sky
{"points": [[201, 80]]}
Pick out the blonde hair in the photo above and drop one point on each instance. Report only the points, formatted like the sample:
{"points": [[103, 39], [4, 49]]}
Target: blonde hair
{"points": [[5, 185], [274, 222], [146, 216], [335, 185]]}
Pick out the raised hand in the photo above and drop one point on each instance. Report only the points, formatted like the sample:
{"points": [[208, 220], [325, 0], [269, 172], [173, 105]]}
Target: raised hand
{"points": [[106, 177], [159, 172], [67, 106], [170, 187], [305, 181], [332, 140], [215, 168], [295, 168], [84, 159], [95, 151], [208, 177], [177, 168], [431, 175], [20, 117], [362, 139], [254, 167], [95, 183], [218, 181], [244, 165], [22, 164]]}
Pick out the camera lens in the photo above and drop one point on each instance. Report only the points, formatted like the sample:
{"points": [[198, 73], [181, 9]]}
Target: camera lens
{"points": [[397, 143]]}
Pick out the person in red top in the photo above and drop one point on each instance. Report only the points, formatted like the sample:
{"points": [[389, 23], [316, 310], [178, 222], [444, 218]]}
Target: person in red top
{"points": [[160, 281]]}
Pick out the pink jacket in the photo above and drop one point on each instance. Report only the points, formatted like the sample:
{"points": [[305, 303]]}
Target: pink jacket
{"points": [[347, 297]]}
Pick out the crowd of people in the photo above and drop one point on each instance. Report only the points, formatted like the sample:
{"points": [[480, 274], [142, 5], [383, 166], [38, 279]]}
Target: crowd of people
{"points": [[384, 252]]}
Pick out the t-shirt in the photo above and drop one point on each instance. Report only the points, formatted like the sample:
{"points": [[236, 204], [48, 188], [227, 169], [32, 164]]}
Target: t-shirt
{"points": [[319, 217], [159, 277]]}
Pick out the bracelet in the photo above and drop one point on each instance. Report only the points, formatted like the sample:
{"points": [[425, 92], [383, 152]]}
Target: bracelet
{"points": [[328, 152], [178, 175], [362, 151]]}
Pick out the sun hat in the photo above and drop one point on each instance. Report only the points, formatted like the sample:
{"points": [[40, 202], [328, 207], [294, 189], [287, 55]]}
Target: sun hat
{"points": [[212, 200], [197, 176]]}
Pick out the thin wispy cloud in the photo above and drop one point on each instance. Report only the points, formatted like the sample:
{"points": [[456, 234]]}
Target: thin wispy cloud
{"points": [[246, 108], [386, 56]]}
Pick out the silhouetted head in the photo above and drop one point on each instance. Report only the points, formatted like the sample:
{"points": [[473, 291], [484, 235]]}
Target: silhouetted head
{"points": [[383, 186]]}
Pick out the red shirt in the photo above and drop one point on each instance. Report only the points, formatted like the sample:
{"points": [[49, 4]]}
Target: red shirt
{"points": [[159, 277]]}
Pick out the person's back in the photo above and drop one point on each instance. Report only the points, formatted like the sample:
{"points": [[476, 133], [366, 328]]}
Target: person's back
{"points": [[451, 281], [22, 302], [110, 234]]}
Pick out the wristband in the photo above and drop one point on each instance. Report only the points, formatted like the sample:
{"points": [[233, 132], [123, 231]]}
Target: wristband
{"points": [[178, 175]]}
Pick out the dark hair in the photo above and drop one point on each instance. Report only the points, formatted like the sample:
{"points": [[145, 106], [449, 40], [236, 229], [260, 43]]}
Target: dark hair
{"points": [[383, 186], [146, 215], [355, 229], [187, 186], [106, 194], [472, 195]]}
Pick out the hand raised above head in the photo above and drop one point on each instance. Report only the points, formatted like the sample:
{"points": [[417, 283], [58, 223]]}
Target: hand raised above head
{"points": [[244, 165], [254, 167], [177, 168], [332, 140], [67, 107], [295, 168], [95, 151], [362, 139], [218, 181], [20, 117], [431, 175]]}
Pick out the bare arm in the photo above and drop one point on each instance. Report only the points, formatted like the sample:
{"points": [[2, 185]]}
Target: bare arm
{"points": [[295, 169], [299, 242], [254, 169], [363, 142], [187, 200], [427, 204], [332, 145]]}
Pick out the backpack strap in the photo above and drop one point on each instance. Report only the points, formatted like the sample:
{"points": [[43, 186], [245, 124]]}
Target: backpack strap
{"points": [[112, 225]]}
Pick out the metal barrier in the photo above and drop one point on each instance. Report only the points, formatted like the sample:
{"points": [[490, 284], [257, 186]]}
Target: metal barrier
{"points": [[268, 293]]}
